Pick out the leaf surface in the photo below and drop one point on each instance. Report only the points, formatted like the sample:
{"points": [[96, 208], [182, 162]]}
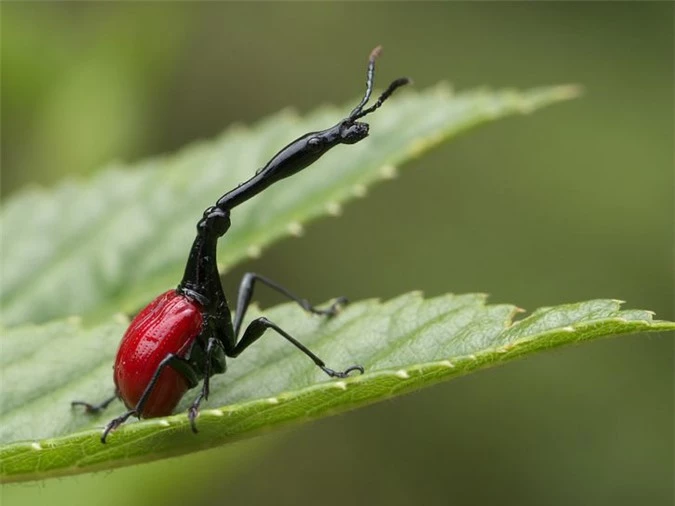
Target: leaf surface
{"points": [[93, 248], [405, 344]]}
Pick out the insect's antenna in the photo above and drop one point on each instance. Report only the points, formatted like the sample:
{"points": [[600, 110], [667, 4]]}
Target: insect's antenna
{"points": [[401, 81], [370, 73]]}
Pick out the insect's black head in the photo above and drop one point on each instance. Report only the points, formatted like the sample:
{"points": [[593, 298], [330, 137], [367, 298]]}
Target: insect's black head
{"points": [[352, 132], [346, 131]]}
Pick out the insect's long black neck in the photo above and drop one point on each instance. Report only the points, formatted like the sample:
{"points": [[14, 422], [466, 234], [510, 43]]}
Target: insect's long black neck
{"points": [[201, 280], [293, 158]]}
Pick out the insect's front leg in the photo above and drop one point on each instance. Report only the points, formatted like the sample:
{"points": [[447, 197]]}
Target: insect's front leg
{"points": [[255, 330], [246, 293]]}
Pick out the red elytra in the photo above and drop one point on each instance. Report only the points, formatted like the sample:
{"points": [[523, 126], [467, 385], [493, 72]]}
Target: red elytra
{"points": [[169, 324]]}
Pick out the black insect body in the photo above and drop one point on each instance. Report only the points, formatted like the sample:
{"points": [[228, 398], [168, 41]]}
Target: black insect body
{"points": [[185, 335]]}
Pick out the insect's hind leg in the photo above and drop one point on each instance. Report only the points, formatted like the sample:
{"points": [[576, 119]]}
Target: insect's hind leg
{"points": [[170, 360], [95, 408], [246, 293]]}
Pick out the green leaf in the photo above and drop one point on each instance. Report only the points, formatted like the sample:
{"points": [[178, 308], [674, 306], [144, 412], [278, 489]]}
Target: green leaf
{"points": [[112, 243], [405, 344]]}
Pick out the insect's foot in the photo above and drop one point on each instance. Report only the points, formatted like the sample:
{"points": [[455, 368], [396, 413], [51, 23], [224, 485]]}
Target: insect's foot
{"points": [[338, 305], [193, 413], [353, 368], [114, 424], [342, 374], [88, 408], [334, 308]]}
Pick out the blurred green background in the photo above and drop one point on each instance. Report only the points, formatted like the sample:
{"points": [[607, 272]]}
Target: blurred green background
{"points": [[574, 202]]}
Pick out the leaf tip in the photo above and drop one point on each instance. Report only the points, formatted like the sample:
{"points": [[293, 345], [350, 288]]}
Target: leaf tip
{"points": [[254, 251], [568, 91], [359, 190], [289, 113], [236, 128], [388, 171], [334, 208], [295, 228], [444, 89], [417, 147]]}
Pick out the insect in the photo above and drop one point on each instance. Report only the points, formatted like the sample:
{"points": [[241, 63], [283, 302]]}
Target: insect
{"points": [[184, 335]]}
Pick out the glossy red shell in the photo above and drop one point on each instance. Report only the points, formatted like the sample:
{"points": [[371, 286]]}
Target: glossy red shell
{"points": [[169, 324]]}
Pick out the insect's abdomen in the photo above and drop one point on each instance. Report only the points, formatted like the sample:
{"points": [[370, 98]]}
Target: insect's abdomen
{"points": [[169, 324]]}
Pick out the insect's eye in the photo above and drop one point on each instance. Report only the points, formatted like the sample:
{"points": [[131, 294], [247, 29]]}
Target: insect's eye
{"points": [[315, 143]]}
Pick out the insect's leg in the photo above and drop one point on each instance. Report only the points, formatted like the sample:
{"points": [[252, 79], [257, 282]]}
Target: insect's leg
{"points": [[172, 360], [246, 292], [95, 408], [214, 351], [257, 328]]}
